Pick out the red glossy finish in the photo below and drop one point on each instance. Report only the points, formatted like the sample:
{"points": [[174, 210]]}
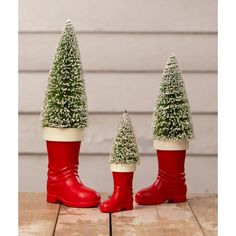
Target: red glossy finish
{"points": [[122, 197], [170, 183], [64, 184]]}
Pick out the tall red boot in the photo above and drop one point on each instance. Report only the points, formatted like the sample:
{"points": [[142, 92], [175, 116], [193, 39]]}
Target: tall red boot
{"points": [[122, 197], [63, 184], [170, 183]]}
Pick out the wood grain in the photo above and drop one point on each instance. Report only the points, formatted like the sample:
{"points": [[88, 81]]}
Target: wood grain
{"points": [[122, 15], [142, 221], [161, 220], [178, 220], [102, 128], [201, 89], [197, 217], [36, 216], [94, 172], [82, 221], [119, 52], [205, 210]]}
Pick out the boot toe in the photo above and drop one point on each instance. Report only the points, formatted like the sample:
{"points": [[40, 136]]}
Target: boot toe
{"points": [[90, 196], [104, 207], [96, 197], [139, 197], [144, 197]]}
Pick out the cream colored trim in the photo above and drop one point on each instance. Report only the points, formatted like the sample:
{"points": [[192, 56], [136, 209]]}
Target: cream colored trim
{"points": [[63, 134], [180, 144], [123, 167]]}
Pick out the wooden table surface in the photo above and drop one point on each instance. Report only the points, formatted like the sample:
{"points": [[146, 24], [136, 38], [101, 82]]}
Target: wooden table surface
{"points": [[196, 217]]}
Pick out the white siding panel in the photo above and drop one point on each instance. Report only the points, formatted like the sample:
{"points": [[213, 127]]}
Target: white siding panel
{"points": [[201, 173], [102, 129], [129, 52], [109, 92], [127, 36], [122, 15]]}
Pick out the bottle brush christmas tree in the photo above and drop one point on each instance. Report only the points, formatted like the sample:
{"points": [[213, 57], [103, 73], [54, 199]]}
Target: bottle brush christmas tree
{"points": [[124, 149], [123, 159], [172, 130], [171, 118], [63, 118], [65, 103]]}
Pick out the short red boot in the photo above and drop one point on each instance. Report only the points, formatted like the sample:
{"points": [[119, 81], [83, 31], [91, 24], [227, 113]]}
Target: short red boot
{"points": [[63, 184], [170, 183], [122, 197]]}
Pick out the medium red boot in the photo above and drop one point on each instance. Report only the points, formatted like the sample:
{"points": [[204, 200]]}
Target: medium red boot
{"points": [[170, 183], [122, 197], [63, 184]]}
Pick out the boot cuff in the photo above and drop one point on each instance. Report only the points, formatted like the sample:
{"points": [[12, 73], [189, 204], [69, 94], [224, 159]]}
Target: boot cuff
{"points": [[123, 167], [174, 145], [63, 134]]}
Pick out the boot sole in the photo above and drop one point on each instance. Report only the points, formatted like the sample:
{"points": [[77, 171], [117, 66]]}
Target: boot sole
{"points": [[170, 200], [177, 200], [54, 199], [122, 209]]}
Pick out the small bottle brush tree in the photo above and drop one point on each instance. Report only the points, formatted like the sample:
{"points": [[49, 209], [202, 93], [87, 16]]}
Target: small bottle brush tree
{"points": [[124, 149], [123, 159], [171, 118], [65, 103]]}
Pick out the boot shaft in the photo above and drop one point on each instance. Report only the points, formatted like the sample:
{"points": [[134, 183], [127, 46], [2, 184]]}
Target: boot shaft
{"points": [[62, 154], [171, 161], [171, 168], [123, 181], [62, 161]]}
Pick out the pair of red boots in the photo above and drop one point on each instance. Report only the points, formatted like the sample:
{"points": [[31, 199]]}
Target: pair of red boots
{"points": [[64, 185], [169, 186]]}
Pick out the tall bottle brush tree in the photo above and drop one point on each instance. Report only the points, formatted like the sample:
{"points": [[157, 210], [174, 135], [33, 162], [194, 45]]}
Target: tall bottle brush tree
{"points": [[171, 117], [63, 118], [65, 103]]}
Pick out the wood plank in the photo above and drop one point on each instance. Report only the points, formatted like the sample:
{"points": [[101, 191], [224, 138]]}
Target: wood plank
{"points": [[102, 128], [164, 220], [141, 221], [94, 171], [123, 15], [178, 219], [205, 211], [123, 52], [201, 89], [36, 216], [82, 221]]}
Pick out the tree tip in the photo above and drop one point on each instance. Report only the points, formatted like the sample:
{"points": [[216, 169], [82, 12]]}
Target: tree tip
{"points": [[172, 59], [68, 25], [172, 55]]}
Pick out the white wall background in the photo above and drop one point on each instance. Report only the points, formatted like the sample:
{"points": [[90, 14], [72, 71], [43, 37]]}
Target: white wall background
{"points": [[124, 47]]}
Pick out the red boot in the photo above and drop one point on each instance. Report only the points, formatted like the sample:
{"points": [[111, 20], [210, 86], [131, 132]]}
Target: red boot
{"points": [[170, 184], [63, 184], [122, 197]]}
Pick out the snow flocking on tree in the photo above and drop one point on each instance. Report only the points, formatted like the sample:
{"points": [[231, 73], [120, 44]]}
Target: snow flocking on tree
{"points": [[171, 117], [124, 149], [65, 103]]}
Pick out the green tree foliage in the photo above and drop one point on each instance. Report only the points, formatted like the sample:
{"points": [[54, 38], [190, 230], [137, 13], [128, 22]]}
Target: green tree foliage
{"points": [[124, 149], [171, 117], [65, 103]]}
